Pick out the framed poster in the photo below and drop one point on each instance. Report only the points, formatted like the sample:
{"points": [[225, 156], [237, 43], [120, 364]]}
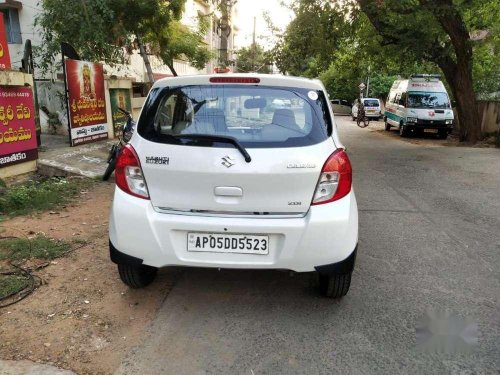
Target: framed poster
{"points": [[120, 98], [4, 47], [17, 126], [86, 101]]}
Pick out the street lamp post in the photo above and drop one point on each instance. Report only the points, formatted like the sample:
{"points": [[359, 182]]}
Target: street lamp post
{"points": [[361, 86]]}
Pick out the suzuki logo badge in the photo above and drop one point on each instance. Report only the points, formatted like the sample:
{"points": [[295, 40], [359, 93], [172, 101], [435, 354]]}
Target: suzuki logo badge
{"points": [[228, 161], [431, 113]]}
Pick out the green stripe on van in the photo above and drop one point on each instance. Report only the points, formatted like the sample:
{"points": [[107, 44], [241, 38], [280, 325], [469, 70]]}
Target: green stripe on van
{"points": [[392, 116]]}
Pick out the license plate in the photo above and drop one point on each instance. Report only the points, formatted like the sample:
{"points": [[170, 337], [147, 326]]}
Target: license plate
{"points": [[228, 243], [430, 131]]}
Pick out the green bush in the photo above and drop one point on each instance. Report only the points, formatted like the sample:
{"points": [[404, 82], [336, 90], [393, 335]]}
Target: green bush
{"points": [[40, 195], [40, 247]]}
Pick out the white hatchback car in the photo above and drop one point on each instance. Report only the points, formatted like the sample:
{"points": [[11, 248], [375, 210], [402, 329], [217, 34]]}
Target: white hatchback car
{"points": [[216, 176]]}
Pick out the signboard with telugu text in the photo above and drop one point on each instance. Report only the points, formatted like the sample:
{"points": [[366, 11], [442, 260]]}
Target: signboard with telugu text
{"points": [[119, 98], [17, 126], [4, 47], [87, 105]]}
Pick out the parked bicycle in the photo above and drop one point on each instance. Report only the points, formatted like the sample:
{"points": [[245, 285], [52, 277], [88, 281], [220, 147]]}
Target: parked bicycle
{"points": [[123, 139], [361, 119]]}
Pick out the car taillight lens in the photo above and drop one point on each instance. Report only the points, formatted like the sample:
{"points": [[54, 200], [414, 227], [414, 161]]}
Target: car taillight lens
{"points": [[128, 173], [335, 180]]}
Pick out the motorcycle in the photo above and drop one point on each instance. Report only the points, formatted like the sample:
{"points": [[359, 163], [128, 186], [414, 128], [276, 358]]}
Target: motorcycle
{"points": [[361, 119], [123, 139]]}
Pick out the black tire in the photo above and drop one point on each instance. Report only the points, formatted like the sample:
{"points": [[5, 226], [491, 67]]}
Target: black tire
{"points": [[403, 131], [335, 286], [137, 276], [387, 125], [109, 169], [362, 123]]}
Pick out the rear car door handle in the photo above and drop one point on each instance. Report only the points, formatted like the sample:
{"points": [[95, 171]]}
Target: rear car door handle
{"points": [[228, 191]]}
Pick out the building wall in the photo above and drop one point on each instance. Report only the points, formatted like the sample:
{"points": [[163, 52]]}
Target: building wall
{"points": [[134, 68], [27, 15]]}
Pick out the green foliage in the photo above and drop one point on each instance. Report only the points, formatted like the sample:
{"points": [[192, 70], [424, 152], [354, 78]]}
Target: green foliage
{"points": [[11, 284], [186, 44], [100, 29], [40, 247], [253, 59], [380, 85], [305, 48], [40, 196]]}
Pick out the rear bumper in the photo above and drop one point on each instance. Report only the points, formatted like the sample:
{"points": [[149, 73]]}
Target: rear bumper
{"points": [[325, 236]]}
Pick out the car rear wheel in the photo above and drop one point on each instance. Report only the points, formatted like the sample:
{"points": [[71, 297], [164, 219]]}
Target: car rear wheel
{"points": [[137, 276], [335, 286]]}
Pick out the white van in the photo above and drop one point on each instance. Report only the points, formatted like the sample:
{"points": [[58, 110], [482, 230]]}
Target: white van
{"points": [[372, 108], [419, 105]]}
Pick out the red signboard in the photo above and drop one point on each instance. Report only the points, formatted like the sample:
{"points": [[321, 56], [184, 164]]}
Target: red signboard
{"points": [[17, 126], [4, 47], [87, 106]]}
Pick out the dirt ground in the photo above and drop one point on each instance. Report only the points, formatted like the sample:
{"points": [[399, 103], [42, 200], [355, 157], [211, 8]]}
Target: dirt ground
{"points": [[82, 318]]}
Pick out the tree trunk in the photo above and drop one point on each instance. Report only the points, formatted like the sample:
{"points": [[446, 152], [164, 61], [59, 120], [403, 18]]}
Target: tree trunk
{"points": [[460, 81], [172, 69], [145, 58], [458, 73]]}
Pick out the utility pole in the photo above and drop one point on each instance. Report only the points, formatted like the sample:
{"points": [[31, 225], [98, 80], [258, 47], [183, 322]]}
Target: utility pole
{"points": [[368, 82], [254, 46]]}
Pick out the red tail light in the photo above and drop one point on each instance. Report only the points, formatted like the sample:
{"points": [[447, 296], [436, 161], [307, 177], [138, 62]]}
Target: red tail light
{"points": [[335, 180], [128, 173], [234, 80]]}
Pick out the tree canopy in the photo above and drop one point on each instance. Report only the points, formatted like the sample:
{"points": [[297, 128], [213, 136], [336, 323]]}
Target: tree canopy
{"points": [[100, 29], [253, 59], [340, 41]]}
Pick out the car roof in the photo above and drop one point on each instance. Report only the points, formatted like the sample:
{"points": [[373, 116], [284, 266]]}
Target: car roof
{"points": [[265, 80], [371, 99]]}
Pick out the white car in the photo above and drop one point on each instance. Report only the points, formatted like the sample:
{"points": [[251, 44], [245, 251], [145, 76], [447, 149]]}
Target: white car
{"points": [[373, 108], [215, 177]]}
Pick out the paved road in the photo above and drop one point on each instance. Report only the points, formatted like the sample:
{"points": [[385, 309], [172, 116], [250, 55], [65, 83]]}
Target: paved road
{"points": [[429, 239]]}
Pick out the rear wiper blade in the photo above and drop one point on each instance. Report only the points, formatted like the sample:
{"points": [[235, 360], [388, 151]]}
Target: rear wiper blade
{"points": [[217, 138]]}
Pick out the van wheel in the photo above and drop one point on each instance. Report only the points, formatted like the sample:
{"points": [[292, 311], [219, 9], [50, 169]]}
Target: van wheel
{"points": [[403, 132], [137, 276], [387, 126], [335, 286]]}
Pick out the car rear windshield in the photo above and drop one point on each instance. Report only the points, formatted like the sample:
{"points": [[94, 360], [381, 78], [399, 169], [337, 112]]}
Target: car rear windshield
{"points": [[371, 103], [428, 100], [257, 116]]}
